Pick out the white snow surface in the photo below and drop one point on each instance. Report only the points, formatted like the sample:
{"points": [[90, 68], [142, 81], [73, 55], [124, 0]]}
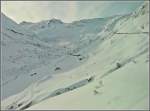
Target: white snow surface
{"points": [[100, 63]]}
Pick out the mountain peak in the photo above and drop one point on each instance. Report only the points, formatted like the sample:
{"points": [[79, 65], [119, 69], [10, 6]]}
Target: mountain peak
{"points": [[54, 20], [25, 23]]}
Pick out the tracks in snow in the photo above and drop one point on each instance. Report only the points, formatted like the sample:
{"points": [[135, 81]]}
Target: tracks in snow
{"points": [[20, 105], [123, 63]]}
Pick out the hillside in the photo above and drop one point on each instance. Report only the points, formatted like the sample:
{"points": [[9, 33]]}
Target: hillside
{"points": [[93, 64]]}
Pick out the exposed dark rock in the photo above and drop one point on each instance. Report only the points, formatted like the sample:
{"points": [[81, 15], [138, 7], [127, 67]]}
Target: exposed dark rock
{"points": [[95, 92], [80, 59], [91, 79], [15, 31], [74, 54], [57, 68], [118, 65], [58, 93], [26, 106], [11, 107], [33, 74], [19, 104]]}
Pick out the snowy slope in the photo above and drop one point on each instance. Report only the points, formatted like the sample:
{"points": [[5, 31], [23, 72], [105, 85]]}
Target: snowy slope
{"points": [[114, 75], [113, 88], [57, 33], [20, 52], [23, 53]]}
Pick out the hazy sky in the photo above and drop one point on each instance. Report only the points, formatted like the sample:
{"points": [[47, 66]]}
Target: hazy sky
{"points": [[69, 11]]}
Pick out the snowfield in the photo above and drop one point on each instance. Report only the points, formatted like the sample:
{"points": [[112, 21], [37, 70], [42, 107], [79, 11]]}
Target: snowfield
{"points": [[88, 64]]}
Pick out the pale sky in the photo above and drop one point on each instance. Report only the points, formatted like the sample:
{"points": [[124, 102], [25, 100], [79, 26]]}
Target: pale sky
{"points": [[67, 11]]}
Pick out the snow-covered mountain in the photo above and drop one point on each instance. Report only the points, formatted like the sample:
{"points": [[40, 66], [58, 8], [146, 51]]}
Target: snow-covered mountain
{"points": [[51, 30], [102, 63], [24, 50]]}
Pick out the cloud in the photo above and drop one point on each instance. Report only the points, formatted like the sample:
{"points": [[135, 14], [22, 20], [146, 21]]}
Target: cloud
{"points": [[91, 9], [67, 11], [36, 11]]}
